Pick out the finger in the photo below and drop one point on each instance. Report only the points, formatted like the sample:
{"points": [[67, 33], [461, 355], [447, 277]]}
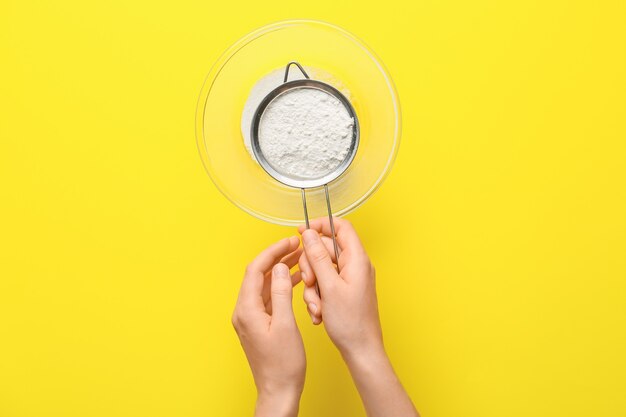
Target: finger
{"points": [[292, 259], [319, 259], [282, 293], [296, 277], [328, 241], [270, 256], [252, 285], [330, 247], [315, 320], [347, 238], [306, 272], [267, 300], [313, 304], [303, 263]]}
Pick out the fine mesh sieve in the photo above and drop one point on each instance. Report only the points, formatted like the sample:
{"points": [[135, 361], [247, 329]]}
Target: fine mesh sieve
{"points": [[297, 182]]}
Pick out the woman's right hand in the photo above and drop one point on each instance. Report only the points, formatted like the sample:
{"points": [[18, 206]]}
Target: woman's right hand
{"points": [[349, 308], [348, 304]]}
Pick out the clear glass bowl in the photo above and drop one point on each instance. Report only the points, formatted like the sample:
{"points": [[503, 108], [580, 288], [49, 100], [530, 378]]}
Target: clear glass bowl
{"points": [[313, 44]]}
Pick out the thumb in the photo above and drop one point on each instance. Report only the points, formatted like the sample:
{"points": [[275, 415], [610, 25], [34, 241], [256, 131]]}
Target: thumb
{"points": [[319, 259], [282, 294]]}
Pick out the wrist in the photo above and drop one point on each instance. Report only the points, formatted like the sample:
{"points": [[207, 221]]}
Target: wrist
{"points": [[366, 351], [371, 359], [277, 404]]}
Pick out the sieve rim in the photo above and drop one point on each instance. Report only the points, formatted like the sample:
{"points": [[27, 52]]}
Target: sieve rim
{"points": [[295, 182]]}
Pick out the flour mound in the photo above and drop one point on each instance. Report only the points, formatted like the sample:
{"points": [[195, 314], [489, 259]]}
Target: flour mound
{"points": [[305, 133]]}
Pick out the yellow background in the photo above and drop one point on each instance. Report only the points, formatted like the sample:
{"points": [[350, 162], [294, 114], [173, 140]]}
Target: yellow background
{"points": [[499, 238]]}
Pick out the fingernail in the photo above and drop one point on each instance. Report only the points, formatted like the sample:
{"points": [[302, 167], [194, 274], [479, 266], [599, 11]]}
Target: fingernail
{"points": [[313, 308], [310, 237], [303, 275], [280, 270]]}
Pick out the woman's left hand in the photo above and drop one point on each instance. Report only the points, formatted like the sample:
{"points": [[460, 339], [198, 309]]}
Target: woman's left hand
{"points": [[266, 326]]}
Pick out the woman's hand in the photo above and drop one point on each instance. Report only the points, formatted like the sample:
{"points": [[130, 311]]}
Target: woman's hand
{"points": [[348, 301], [266, 326], [349, 308]]}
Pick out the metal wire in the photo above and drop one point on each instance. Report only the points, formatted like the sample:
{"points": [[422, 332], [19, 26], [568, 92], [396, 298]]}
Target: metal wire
{"points": [[299, 66], [306, 212], [332, 224]]}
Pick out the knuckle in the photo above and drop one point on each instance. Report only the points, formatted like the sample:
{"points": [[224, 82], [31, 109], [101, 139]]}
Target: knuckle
{"points": [[363, 260], [240, 319], [342, 221], [344, 224], [308, 280], [235, 320]]}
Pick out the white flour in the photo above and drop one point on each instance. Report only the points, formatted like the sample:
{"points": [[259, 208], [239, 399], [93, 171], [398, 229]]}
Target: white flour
{"points": [[272, 80], [305, 133]]}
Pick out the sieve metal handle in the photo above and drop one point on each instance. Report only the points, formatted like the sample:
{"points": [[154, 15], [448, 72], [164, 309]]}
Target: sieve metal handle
{"points": [[299, 66], [332, 226]]}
